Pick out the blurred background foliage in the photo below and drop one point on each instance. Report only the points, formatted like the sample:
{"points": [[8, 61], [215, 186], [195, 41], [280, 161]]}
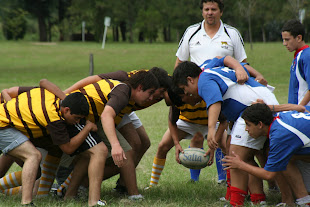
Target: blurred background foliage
{"points": [[141, 20]]}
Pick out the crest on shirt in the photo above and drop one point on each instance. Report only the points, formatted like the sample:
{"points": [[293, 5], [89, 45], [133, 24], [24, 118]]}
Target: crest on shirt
{"points": [[293, 66], [224, 44], [197, 43]]}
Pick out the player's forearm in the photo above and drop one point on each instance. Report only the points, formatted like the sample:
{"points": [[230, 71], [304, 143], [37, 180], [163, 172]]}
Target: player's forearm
{"points": [[51, 87], [287, 107], [233, 63], [177, 62], [6, 95], [220, 130], [82, 83], [108, 126], [174, 132], [75, 141], [306, 99]]}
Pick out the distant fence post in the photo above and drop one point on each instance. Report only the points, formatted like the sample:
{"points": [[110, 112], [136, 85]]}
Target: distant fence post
{"points": [[91, 64], [107, 22], [83, 31]]}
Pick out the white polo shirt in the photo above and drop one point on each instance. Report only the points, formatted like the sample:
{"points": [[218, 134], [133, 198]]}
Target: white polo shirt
{"points": [[198, 46]]}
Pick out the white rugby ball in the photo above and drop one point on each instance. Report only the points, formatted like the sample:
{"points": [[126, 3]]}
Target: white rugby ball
{"points": [[194, 158]]}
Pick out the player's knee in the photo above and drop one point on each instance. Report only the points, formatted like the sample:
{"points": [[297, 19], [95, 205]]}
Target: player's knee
{"points": [[163, 148]]}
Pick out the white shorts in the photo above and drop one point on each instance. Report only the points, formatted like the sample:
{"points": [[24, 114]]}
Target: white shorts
{"points": [[304, 168], [127, 118], [191, 129], [241, 137]]}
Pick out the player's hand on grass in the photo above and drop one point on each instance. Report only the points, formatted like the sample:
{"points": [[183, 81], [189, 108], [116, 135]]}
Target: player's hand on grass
{"points": [[118, 155], [91, 125], [232, 162], [178, 150], [210, 152]]}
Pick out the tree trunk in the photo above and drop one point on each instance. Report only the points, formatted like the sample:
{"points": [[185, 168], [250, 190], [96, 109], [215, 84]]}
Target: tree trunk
{"points": [[123, 30], [115, 34], [264, 34], [42, 29]]}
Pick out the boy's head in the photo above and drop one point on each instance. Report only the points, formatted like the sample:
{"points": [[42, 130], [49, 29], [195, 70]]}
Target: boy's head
{"points": [[293, 33], [145, 83], [185, 76], [74, 107], [164, 80], [257, 117]]}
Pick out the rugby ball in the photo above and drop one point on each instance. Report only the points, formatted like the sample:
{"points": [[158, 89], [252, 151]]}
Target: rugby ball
{"points": [[194, 158]]}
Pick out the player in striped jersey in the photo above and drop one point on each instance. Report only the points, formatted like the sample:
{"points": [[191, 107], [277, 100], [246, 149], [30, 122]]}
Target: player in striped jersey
{"points": [[220, 91], [109, 100], [21, 119], [130, 126], [289, 137]]}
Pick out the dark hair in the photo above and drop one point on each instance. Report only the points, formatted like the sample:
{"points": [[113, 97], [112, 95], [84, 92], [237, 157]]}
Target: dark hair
{"points": [[220, 3], [174, 96], [77, 103], [164, 80], [184, 70], [144, 78], [258, 112], [295, 27]]}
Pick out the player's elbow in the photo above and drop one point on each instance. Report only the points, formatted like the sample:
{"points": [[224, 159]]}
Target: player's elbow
{"points": [[66, 148], [269, 175]]}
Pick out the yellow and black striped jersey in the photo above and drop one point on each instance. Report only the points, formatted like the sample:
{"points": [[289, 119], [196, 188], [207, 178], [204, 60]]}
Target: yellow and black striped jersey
{"points": [[31, 112], [98, 94], [194, 114]]}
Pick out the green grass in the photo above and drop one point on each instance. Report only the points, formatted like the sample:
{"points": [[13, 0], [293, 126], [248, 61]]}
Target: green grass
{"points": [[25, 63]]}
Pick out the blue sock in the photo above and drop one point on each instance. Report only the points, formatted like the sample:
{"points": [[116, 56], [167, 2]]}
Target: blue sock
{"points": [[194, 172], [220, 171]]}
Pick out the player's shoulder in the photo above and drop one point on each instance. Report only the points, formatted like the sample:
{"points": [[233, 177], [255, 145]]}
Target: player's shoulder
{"points": [[192, 28], [231, 30]]}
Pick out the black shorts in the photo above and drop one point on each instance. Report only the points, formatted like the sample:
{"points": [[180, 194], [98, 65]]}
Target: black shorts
{"points": [[91, 140]]}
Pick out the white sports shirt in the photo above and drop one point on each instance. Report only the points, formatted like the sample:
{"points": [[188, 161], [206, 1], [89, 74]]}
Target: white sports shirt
{"points": [[197, 45]]}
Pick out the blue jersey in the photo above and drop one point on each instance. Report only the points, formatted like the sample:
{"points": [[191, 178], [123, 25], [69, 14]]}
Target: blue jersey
{"points": [[220, 85], [289, 134], [299, 76]]}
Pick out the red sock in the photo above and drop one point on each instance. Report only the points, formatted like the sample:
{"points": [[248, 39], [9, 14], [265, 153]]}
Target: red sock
{"points": [[237, 196], [257, 198], [227, 196]]}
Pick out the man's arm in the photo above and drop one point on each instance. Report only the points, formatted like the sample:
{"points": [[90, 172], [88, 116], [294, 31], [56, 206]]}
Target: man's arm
{"points": [[234, 162], [77, 140], [213, 115], [173, 117], [51, 87], [107, 120], [177, 62], [10, 93], [257, 75], [84, 82], [232, 63], [283, 107], [306, 99]]}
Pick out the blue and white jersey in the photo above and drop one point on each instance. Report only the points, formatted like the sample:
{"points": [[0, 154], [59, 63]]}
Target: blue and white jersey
{"points": [[219, 85], [299, 76], [289, 134]]}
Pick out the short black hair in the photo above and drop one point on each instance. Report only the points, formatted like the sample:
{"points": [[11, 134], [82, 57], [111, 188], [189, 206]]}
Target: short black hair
{"points": [[258, 112], [164, 80], [220, 3], [174, 96], [295, 27], [183, 70], [77, 103], [144, 78]]}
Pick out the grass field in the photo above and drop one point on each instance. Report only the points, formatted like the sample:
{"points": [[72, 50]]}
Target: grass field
{"points": [[25, 63]]}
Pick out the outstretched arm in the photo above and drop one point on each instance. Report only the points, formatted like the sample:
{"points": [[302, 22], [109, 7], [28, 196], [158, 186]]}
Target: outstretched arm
{"points": [[257, 75], [234, 162], [51, 87], [283, 107], [84, 82]]}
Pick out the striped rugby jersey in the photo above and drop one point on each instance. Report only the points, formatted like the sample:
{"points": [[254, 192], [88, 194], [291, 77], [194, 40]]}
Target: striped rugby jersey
{"points": [[31, 112], [98, 94]]}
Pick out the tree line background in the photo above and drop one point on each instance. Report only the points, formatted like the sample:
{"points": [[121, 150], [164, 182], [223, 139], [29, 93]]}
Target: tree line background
{"points": [[141, 20]]}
